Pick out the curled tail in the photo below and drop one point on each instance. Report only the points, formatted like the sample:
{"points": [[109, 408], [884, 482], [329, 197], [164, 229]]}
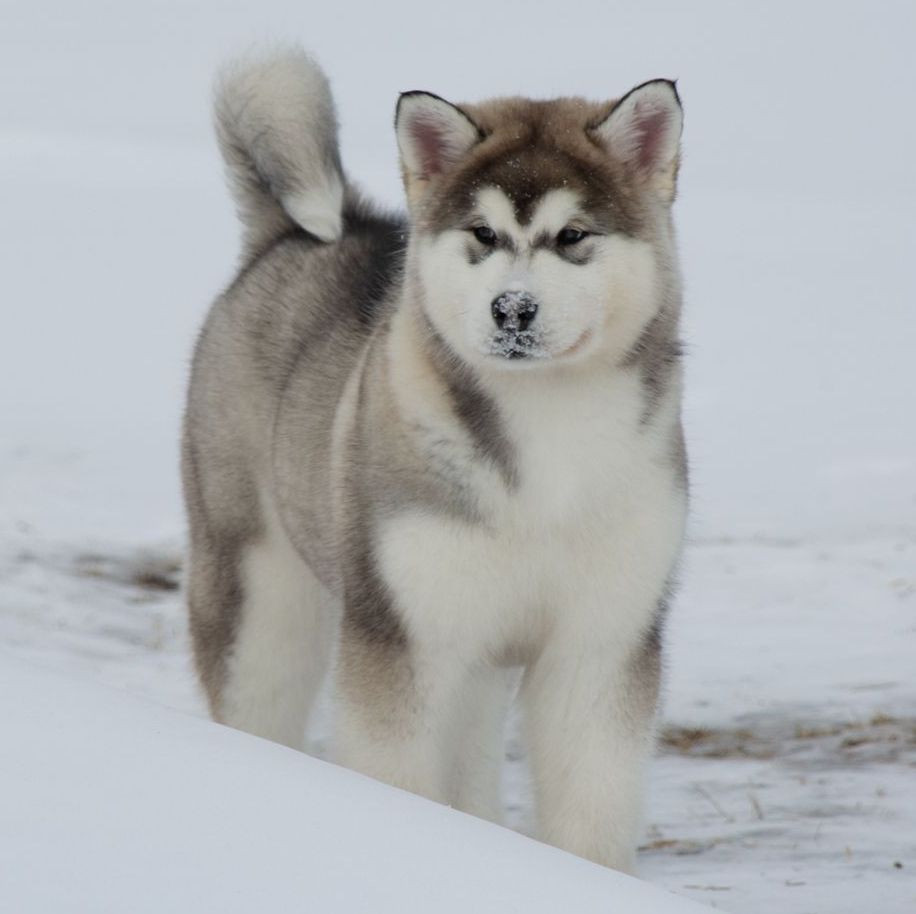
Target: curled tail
{"points": [[277, 131]]}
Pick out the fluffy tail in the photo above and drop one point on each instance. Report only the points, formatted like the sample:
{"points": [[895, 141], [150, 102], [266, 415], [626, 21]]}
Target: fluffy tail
{"points": [[277, 131]]}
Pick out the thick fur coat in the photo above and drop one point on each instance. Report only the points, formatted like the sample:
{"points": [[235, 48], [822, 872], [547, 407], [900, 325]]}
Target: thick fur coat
{"points": [[428, 452]]}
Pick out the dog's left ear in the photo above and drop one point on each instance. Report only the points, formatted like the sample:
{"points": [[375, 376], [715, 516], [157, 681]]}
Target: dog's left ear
{"points": [[643, 132], [433, 136]]}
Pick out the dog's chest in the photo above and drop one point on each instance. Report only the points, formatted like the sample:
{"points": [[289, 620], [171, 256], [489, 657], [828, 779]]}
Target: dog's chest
{"points": [[591, 511]]}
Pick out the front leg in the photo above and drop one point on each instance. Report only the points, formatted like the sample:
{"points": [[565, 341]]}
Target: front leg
{"points": [[407, 710], [590, 707], [392, 715]]}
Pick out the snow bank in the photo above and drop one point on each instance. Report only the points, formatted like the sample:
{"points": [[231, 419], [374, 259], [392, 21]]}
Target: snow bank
{"points": [[111, 804]]}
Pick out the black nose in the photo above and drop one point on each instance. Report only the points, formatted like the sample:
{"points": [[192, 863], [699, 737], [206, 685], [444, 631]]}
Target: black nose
{"points": [[513, 311]]}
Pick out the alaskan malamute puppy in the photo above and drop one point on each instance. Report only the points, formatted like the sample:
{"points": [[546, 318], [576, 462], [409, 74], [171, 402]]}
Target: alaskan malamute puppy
{"points": [[441, 448]]}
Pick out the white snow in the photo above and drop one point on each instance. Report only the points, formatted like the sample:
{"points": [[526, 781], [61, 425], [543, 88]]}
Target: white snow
{"points": [[118, 805], [786, 780]]}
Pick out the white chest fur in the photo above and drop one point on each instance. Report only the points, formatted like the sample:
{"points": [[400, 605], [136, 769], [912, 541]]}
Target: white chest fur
{"points": [[586, 539]]}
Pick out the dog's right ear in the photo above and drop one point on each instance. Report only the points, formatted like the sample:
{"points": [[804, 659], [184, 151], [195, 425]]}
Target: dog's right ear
{"points": [[433, 136]]}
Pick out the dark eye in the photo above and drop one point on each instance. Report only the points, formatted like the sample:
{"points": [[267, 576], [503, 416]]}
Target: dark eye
{"points": [[485, 235], [568, 236]]}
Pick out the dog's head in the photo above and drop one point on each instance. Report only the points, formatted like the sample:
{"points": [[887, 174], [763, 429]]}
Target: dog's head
{"points": [[538, 226]]}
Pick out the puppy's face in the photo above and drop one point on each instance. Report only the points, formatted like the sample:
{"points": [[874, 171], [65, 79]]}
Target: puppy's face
{"points": [[534, 222]]}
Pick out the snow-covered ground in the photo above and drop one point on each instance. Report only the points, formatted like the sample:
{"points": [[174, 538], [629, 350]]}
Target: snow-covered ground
{"points": [[787, 777], [119, 805]]}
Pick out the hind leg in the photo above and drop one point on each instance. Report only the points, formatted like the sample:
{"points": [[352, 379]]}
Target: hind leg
{"points": [[272, 634], [478, 745], [281, 648]]}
